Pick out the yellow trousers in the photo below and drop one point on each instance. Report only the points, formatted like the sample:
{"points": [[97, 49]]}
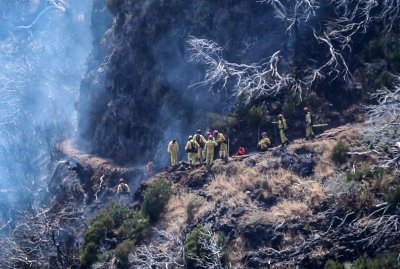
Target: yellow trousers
{"points": [[174, 158], [309, 130], [283, 136], [223, 152], [192, 157], [210, 158]]}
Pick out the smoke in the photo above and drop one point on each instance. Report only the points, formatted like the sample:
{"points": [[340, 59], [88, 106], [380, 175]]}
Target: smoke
{"points": [[43, 49]]}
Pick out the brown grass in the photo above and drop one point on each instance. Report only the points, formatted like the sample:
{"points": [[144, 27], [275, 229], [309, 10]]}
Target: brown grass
{"points": [[283, 211], [175, 216], [286, 211]]}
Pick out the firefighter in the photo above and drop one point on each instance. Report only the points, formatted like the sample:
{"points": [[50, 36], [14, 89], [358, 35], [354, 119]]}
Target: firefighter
{"points": [[209, 149], [282, 129], [265, 142], [192, 148], [122, 187], [202, 142], [222, 144], [309, 127], [173, 149]]}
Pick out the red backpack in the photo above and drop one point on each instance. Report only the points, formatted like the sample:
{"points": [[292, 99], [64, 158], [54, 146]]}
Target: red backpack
{"points": [[241, 151]]}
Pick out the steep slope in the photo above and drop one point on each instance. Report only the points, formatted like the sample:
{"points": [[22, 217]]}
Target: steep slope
{"points": [[287, 207]]}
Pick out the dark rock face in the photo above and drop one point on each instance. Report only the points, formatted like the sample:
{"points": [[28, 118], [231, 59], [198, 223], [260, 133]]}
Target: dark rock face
{"points": [[139, 97]]}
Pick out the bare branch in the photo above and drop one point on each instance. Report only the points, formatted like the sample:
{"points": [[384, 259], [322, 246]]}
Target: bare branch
{"points": [[245, 81]]}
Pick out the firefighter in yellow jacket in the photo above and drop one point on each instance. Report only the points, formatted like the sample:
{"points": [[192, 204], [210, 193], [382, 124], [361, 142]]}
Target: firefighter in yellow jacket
{"points": [[265, 142], [192, 148], [202, 142], [308, 120], [209, 149], [173, 149], [282, 129], [222, 144], [122, 187]]}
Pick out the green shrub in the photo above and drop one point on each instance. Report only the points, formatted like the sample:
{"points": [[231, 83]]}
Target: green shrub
{"points": [[257, 115], [89, 254], [122, 251], [134, 227], [363, 174], [331, 264], [193, 248], [339, 151], [155, 198], [98, 228], [118, 213], [366, 174], [114, 6], [289, 109], [265, 185], [386, 262], [216, 121]]}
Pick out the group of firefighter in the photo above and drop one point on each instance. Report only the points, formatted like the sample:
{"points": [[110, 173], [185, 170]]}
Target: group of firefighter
{"points": [[206, 148]]}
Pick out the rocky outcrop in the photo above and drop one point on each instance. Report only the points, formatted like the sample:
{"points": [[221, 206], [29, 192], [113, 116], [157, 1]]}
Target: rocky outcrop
{"points": [[137, 93]]}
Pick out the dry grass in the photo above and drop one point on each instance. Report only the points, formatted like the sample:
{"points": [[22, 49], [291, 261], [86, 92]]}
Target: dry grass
{"points": [[282, 212], [236, 251], [229, 191], [175, 216], [280, 181], [286, 211]]}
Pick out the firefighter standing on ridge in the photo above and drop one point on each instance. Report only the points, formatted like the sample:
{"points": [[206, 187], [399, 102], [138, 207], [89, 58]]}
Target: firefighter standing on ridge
{"points": [[192, 148], [173, 149], [309, 127], [282, 129], [199, 138], [265, 142], [209, 150], [222, 145]]}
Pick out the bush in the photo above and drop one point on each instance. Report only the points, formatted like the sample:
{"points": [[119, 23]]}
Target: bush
{"points": [[118, 213], [114, 216], [339, 151], [193, 249], [155, 198], [98, 228], [366, 174], [134, 227], [89, 254], [122, 251], [331, 264], [364, 262], [216, 121], [257, 115]]}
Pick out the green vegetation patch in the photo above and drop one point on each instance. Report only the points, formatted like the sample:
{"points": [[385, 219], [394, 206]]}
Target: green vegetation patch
{"points": [[339, 151], [155, 198]]}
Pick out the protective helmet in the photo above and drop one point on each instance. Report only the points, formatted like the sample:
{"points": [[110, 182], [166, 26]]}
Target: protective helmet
{"points": [[190, 137], [121, 180], [199, 131], [280, 116], [208, 133], [210, 136], [306, 109], [264, 134], [215, 132]]}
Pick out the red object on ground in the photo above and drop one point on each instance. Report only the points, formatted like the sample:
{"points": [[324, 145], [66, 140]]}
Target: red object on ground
{"points": [[241, 151]]}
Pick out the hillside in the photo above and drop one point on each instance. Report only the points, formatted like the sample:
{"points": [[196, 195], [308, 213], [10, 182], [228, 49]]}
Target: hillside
{"points": [[286, 208]]}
